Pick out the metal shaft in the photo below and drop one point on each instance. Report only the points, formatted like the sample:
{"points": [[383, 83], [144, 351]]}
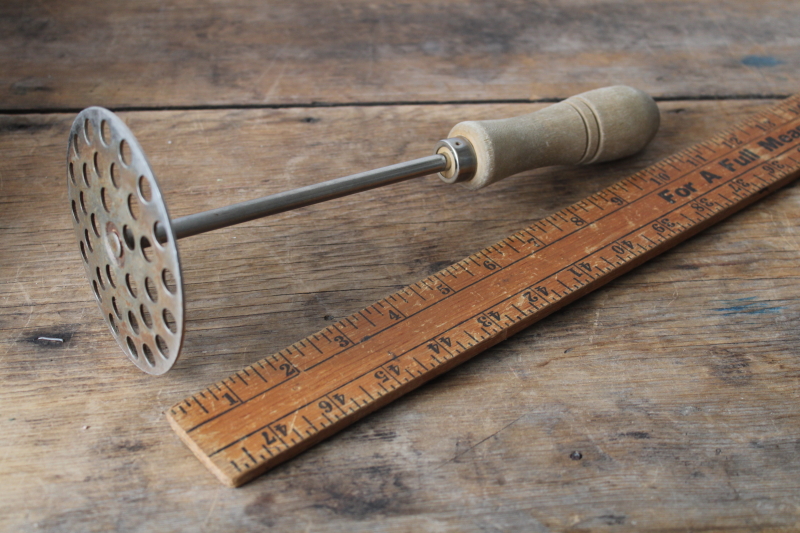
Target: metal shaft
{"points": [[311, 194]]}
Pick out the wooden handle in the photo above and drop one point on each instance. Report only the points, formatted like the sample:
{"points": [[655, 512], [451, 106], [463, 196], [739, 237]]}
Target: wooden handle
{"points": [[591, 127]]}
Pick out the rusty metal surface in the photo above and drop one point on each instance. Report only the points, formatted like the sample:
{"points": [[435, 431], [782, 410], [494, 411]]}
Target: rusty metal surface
{"points": [[117, 210]]}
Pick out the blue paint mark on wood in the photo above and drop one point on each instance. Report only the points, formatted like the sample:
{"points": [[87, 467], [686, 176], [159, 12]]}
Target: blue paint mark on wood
{"points": [[748, 306], [761, 61]]}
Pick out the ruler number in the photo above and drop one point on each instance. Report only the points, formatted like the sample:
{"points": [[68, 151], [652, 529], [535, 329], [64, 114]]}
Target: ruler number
{"points": [[739, 184], [542, 290], [662, 178], [663, 225], [622, 247], [578, 221], [703, 204], [532, 299], [487, 322], [436, 347], [692, 160], [270, 440], [341, 340], [773, 166], [228, 397], [585, 268], [289, 369], [732, 141], [381, 375], [277, 428], [616, 200], [327, 406]]}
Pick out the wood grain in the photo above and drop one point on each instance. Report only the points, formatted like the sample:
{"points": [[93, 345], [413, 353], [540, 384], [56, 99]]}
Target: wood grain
{"points": [[678, 384], [68, 55]]}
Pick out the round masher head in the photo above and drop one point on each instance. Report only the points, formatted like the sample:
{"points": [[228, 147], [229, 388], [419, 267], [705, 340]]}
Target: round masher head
{"points": [[117, 211]]}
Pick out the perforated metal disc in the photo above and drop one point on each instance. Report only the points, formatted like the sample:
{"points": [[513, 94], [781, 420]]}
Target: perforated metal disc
{"points": [[117, 211]]}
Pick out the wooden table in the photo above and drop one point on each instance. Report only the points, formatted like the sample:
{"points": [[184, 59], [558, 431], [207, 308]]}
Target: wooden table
{"points": [[678, 384]]}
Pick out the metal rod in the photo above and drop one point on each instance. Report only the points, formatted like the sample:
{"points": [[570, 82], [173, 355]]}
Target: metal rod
{"points": [[311, 194]]}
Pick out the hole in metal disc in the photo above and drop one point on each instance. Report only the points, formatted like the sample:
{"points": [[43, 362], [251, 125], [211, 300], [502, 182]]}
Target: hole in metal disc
{"points": [[157, 229], [125, 152], [169, 321], [131, 284], [127, 235], [75, 212], [133, 322], [83, 203], [71, 170], [132, 347], [105, 133], [75, 145], [147, 318], [88, 130], [88, 240], [100, 279], [114, 173], [97, 166], [83, 252], [144, 189], [148, 355], [113, 324], [163, 349], [112, 278], [150, 289], [169, 280], [147, 249], [85, 172], [104, 200], [96, 291], [116, 309], [133, 207], [94, 224]]}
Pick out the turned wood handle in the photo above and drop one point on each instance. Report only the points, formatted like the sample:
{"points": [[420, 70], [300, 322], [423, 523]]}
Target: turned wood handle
{"points": [[591, 127]]}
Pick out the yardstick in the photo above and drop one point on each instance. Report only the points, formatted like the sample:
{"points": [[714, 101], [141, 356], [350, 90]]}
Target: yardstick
{"points": [[274, 409]]}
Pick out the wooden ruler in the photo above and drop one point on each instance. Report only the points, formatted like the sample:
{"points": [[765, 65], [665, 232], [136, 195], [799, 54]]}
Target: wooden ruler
{"points": [[281, 405]]}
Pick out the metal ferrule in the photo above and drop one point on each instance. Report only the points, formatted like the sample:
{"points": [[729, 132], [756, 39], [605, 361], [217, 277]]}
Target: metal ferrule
{"points": [[461, 160]]}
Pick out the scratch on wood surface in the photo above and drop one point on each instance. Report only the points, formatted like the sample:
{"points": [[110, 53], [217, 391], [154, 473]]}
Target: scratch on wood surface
{"points": [[461, 454], [266, 70], [31, 306], [274, 86], [788, 234], [213, 506]]}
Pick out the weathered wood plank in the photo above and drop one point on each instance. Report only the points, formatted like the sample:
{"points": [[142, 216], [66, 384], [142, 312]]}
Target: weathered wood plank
{"points": [[678, 383], [68, 55]]}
